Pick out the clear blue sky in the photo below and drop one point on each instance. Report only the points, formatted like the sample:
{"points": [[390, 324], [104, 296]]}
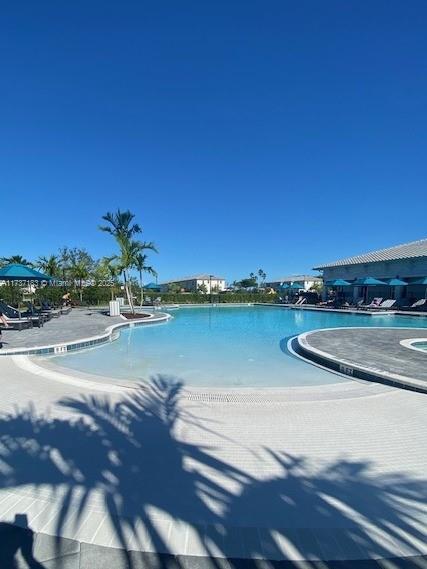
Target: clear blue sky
{"points": [[243, 134]]}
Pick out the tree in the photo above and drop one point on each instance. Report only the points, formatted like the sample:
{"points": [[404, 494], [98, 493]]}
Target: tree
{"points": [[262, 276], [79, 272], [15, 259], [64, 262], [202, 288], [174, 288], [250, 282], [141, 266], [49, 265], [123, 229], [105, 269]]}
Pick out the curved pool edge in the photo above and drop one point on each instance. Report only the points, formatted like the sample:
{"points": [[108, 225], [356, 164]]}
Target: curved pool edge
{"points": [[410, 344], [347, 389], [84, 343], [354, 369]]}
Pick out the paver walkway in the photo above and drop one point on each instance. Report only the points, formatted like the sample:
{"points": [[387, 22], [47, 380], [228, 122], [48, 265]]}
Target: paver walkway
{"points": [[79, 323], [376, 349]]}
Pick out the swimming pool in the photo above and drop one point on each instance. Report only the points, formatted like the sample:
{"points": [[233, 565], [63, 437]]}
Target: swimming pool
{"points": [[222, 346]]}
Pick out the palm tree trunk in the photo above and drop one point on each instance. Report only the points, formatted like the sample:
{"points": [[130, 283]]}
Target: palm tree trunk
{"points": [[141, 291], [128, 293]]}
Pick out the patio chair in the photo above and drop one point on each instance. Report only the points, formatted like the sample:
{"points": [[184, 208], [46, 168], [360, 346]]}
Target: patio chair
{"points": [[302, 300], [376, 302], [419, 305], [46, 306], [16, 323], [385, 305], [356, 303], [15, 315], [45, 314]]}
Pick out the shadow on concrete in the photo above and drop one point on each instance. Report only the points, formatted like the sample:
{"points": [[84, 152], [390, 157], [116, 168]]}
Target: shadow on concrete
{"points": [[17, 541], [131, 455]]}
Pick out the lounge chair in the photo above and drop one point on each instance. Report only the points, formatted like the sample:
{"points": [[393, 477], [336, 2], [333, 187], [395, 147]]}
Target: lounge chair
{"points": [[33, 311], [46, 306], [65, 309], [13, 314], [385, 304], [376, 303], [300, 301], [16, 323], [419, 305]]}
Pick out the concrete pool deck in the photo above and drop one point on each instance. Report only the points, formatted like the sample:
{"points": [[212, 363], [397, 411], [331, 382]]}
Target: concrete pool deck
{"points": [[153, 478], [375, 354]]}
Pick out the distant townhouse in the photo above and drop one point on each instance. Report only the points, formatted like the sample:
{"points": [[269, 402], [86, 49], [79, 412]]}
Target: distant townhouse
{"points": [[194, 283], [306, 282]]}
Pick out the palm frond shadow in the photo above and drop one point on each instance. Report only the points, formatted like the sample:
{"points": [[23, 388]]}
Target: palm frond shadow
{"points": [[130, 458]]}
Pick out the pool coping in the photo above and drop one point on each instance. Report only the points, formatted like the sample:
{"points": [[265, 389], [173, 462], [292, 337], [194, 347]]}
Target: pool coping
{"points": [[409, 343], [351, 369]]}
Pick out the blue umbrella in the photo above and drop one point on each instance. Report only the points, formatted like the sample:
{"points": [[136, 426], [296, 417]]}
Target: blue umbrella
{"points": [[17, 272], [293, 286], [396, 282], [368, 281], [338, 282]]}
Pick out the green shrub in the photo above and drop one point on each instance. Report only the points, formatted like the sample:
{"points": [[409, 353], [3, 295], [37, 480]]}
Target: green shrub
{"points": [[52, 294], [197, 298], [11, 294], [95, 295]]}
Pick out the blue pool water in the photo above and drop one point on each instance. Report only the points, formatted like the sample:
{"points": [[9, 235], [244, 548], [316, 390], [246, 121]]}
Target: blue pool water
{"points": [[222, 346]]}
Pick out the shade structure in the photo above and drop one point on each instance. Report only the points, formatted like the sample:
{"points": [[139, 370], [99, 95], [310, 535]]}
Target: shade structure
{"points": [[368, 281], [293, 286], [17, 272], [338, 282], [396, 282], [422, 281]]}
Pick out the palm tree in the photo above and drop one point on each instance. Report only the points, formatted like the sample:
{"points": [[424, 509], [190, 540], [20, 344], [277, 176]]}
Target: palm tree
{"points": [[141, 266], [106, 268], [49, 265], [64, 262], [15, 259], [79, 272], [262, 276], [123, 229]]}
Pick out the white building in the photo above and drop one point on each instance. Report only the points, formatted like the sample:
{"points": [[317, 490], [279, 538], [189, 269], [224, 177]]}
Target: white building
{"points": [[306, 282], [194, 282]]}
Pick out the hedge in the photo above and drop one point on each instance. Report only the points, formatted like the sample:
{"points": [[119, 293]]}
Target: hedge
{"points": [[195, 298]]}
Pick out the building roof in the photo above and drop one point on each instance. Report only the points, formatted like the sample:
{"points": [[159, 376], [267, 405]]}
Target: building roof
{"points": [[199, 277], [296, 278], [405, 251]]}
